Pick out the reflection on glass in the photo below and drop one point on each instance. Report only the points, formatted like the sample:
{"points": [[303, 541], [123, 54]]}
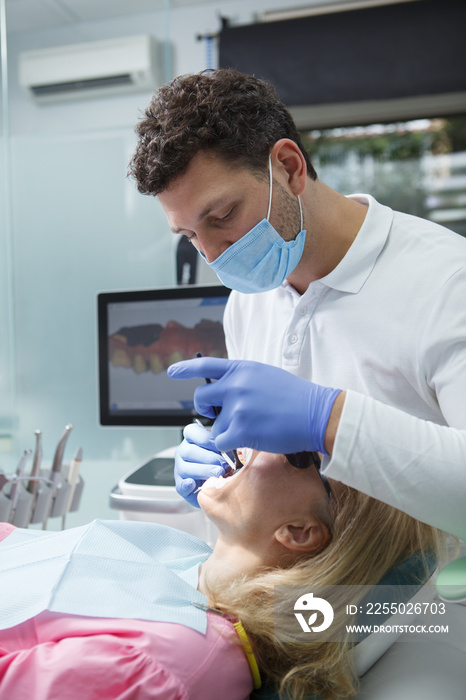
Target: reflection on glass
{"points": [[417, 166]]}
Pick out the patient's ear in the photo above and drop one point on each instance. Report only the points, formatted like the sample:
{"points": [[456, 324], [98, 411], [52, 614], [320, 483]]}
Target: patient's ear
{"points": [[309, 536]]}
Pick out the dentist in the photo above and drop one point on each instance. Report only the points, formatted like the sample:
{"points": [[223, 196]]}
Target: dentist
{"points": [[347, 327]]}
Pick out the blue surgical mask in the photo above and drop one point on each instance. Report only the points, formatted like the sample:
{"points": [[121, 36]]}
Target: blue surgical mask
{"points": [[261, 260]]}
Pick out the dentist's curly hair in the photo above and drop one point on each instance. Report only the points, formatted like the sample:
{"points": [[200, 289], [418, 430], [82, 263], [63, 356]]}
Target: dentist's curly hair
{"points": [[368, 539], [224, 112]]}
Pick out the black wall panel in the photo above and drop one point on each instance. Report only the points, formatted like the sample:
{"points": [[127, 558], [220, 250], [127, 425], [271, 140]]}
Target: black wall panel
{"points": [[393, 51]]}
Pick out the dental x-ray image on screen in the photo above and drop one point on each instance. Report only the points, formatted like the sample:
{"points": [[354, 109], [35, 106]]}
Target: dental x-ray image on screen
{"points": [[141, 333]]}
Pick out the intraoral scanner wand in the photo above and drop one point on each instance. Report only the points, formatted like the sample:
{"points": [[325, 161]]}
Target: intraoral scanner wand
{"points": [[238, 463], [224, 454], [226, 457]]}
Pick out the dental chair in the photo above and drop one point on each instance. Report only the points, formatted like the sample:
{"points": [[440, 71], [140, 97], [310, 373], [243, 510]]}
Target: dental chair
{"points": [[388, 666]]}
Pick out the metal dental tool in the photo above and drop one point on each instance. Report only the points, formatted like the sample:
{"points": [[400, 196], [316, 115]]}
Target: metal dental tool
{"points": [[21, 500], [72, 478], [33, 484], [43, 502], [18, 475], [3, 480], [58, 457], [33, 498], [60, 488], [5, 501], [20, 515], [73, 473]]}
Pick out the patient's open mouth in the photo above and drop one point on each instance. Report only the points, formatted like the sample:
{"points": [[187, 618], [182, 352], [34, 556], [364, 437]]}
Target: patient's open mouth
{"points": [[219, 482]]}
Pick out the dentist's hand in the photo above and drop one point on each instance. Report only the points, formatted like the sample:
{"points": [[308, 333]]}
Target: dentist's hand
{"points": [[263, 407], [196, 459]]}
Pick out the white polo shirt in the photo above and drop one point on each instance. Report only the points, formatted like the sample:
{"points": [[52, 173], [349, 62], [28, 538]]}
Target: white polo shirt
{"points": [[389, 322]]}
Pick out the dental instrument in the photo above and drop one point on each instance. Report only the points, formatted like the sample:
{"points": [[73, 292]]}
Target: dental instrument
{"points": [[238, 463], [5, 501], [43, 501], [78, 492], [72, 478], [22, 499], [61, 489], [227, 458], [22, 514], [32, 498], [33, 484], [16, 483], [58, 457], [73, 474]]}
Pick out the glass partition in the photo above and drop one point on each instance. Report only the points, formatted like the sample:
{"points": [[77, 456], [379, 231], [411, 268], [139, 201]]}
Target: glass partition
{"points": [[7, 370], [71, 224]]}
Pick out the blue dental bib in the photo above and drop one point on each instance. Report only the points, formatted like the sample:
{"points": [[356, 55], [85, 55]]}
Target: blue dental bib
{"points": [[109, 568]]}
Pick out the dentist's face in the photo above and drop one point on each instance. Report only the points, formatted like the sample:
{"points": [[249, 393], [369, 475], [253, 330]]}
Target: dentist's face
{"points": [[214, 204], [263, 495]]}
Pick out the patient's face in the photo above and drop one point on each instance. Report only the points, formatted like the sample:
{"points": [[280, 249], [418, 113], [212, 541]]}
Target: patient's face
{"points": [[262, 495]]}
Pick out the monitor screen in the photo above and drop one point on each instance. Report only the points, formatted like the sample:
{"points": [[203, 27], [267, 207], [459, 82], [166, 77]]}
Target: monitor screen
{"points": [[140, 334]]}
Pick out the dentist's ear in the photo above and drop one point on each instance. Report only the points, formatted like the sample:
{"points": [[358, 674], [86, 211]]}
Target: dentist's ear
{"points": [[308, 536], [288, 163]]}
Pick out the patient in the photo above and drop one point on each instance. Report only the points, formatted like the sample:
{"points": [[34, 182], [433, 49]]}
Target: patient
{"points": [[277, 525]]}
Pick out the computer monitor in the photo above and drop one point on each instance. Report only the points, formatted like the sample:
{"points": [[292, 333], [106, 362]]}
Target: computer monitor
{"points": [[141, 333]]}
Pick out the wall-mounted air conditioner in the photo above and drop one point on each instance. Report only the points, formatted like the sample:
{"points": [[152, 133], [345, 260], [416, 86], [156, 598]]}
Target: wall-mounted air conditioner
{"points": [[92, 69]]}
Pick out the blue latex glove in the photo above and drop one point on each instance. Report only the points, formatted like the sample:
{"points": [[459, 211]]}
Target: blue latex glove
{"points": [[196, 459], [263, 407]]}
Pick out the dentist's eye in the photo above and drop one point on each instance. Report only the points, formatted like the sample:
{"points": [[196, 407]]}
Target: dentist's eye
{"points": [[227, 216]]}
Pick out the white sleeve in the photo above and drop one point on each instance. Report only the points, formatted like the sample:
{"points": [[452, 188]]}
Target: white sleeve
{"points": [[414, 465], [229, 317], [443, 350]]}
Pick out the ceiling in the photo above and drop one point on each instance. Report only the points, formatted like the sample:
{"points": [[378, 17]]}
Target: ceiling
{"points": [[24, 15]]}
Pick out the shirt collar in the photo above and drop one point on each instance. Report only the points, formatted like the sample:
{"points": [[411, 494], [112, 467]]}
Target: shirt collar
{"points": [[353, 270]]}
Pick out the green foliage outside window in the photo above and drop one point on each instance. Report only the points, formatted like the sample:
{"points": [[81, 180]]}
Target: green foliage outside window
{"points": [[416, 166]]}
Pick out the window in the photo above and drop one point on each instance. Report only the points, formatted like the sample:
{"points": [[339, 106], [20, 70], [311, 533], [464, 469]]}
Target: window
{"points": [[416, 166]]}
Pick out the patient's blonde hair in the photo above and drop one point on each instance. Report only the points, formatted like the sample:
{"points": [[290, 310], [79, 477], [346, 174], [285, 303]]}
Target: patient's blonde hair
{"points": [[368, 539]]}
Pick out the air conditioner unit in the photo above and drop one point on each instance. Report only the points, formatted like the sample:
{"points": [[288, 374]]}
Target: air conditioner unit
{"points": [[92, 69]]}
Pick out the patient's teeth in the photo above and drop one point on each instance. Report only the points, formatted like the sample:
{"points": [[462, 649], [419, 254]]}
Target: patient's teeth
{"points": [[218, 482]]}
